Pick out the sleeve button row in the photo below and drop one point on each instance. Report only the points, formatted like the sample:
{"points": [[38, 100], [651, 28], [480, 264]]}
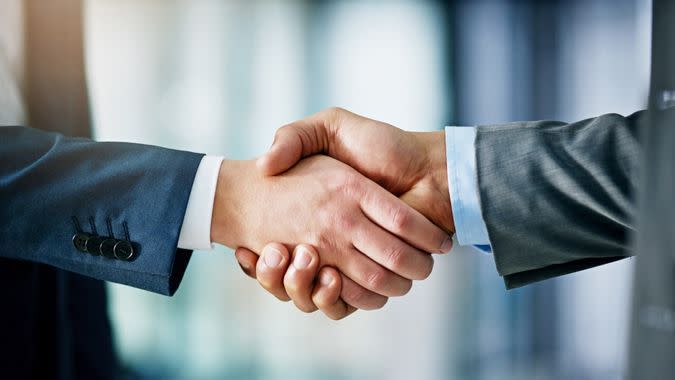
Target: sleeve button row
{"points": [[102, 246]]}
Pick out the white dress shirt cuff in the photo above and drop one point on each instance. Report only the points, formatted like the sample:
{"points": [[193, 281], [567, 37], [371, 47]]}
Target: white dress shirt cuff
{"points": [[463, 185], [195, 234]]}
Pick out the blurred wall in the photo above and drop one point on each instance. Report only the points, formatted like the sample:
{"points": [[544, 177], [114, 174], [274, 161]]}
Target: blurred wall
{"points": [[220, 76]]}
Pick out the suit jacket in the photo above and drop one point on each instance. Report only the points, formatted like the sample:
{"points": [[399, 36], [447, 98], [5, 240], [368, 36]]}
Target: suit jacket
{"points": [[559, 197], [62, 200], [63, 196], [572, 184], [59, 192]]}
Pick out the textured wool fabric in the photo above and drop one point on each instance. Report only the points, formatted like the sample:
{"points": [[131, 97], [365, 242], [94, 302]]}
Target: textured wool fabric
{"points": [[50, 184], [557, 197]]}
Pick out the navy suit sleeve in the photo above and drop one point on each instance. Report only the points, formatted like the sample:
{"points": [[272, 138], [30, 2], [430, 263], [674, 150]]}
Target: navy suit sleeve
{"points": [[51, 186]]}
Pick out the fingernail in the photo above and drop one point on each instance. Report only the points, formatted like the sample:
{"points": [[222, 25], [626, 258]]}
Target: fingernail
{"points": [[447, 244], [302, 258], [272, 257], [326, 279]]}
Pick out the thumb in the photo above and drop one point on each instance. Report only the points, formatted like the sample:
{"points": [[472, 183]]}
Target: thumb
{"points": [[247, 261], [291, 143]]}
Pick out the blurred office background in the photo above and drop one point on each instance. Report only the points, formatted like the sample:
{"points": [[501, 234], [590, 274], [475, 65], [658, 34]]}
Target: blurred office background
{"points": [[221, 76]]}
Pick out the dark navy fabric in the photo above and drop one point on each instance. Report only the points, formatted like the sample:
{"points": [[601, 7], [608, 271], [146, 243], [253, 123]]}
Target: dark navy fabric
{"points": [[54, 320], [47, 179], [54, 324]]}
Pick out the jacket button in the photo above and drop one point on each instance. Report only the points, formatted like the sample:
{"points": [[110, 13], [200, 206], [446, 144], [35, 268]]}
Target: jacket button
{"points": [[94, 245], [123, 250], [107, 248], [80, 241]]}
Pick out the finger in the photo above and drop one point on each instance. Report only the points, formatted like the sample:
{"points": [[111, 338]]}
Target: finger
{"points": [[372, 276], [403, 221], [293, 142], [326, 295], [359, 297], [393, 253], [271, 269], [299, 278], [247, 260]]}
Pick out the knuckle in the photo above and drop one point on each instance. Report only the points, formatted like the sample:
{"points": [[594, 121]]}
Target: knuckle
{"points": [[334, 111], [376, 279], [345, 222], [325, 216], [289, 127], [327, 243], [354, 295], [281, 131], [401, 218], [332, 219], [395, 257], [306, 135], [364, 300], [350, 183]]}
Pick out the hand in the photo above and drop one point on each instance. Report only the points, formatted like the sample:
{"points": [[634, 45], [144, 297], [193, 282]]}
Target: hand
{"points": [[354, 223], [410, 165], [295, 281]]}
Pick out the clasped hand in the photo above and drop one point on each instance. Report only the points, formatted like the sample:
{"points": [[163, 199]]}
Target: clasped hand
{"points": [[360, 203]]}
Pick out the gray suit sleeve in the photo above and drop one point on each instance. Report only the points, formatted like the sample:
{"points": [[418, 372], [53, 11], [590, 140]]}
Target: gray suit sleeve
{"points": [[557, 197]]}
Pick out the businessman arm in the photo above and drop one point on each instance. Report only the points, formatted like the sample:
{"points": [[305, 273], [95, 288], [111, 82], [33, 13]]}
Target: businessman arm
{"points": [[55, 187], [376, 241], [410, 165], [556, 197]]}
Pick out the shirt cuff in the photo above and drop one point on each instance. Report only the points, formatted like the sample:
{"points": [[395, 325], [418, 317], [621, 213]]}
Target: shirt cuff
{"points": [[463, 186], [195, 233]]}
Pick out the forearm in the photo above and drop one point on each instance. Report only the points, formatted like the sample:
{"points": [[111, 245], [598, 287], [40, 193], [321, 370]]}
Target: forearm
{"points": [[558, 197], [51, 186], [234, 190]]}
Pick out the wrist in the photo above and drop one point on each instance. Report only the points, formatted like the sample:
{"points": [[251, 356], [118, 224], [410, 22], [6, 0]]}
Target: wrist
{"points": [[433, 146], [436, 159], [226, 219], [438, 169]]}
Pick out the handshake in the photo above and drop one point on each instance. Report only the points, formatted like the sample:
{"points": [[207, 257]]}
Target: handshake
{"points": [[359, 203]]}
